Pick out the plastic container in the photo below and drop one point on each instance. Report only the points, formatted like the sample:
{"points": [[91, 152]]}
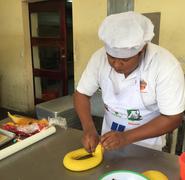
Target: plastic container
{"points": [[59, 108], [182, 165]]}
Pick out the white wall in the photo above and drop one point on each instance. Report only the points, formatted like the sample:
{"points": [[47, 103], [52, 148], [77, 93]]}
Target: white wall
{"points": [[87, 16], [172, 26], [16, 86]]}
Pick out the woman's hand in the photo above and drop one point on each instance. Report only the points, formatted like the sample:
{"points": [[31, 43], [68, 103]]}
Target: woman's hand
{"points": [[90, 140], [114, 140]]}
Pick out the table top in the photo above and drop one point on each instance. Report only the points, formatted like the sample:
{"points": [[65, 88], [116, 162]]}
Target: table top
{"points": [[44, 160]]}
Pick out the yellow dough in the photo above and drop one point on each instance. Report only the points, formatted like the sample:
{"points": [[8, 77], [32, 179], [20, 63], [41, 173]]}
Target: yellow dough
{"points": [[155, 175], [73, 162]]}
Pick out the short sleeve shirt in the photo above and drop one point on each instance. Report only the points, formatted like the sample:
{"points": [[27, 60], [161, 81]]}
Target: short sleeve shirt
{"points": [[161, 72]]}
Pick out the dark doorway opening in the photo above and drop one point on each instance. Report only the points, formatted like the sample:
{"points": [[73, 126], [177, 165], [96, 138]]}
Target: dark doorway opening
{"points": [[52, 49]]}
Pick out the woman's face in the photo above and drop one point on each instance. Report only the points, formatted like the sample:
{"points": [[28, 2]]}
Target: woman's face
{"points": [[125, 65]]}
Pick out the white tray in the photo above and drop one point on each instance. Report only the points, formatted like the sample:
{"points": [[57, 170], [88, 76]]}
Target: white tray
{"points": [[26, 142]]}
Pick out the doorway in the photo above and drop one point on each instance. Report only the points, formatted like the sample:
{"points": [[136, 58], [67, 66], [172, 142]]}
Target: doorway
{"points": [[52, 49]]}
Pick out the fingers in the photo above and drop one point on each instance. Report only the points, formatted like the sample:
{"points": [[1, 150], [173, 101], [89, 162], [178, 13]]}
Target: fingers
{"points": [[105, 137], [90, 143], [93, 147], [111, 140], [106, 140], [89, 147], [86, 146]]}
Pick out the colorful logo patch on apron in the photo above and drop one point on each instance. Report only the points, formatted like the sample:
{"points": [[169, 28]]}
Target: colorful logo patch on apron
{"points": [[133, 116]]}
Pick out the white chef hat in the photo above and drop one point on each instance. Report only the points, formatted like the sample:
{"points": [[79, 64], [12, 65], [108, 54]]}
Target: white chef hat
{"points": [[125, 34]]}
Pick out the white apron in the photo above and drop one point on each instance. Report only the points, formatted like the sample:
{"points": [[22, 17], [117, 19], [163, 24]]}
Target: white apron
{"points": [[124, 109]]}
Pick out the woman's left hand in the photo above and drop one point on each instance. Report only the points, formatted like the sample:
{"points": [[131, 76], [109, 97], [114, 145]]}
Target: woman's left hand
{"points": [[114, 140]]}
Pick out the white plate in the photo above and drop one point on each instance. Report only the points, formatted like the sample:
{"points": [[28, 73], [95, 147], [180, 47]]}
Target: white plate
{"points": [[123, 175]]}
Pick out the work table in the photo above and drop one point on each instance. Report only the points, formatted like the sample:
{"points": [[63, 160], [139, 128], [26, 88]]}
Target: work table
{"points": [[43, 160]]}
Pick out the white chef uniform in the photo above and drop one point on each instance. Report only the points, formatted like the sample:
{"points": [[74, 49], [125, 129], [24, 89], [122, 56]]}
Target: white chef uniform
{"points": [[128, 105], [124, 108], [98, 73]]}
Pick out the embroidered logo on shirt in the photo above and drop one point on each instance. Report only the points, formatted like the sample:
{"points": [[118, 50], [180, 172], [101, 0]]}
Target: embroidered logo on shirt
{"points": [[143, 86], [133, 116]]}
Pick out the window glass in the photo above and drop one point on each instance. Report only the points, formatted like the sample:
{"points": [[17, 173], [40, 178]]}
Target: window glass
{"points": [[45, 24], [46, 57], [47, 89]]}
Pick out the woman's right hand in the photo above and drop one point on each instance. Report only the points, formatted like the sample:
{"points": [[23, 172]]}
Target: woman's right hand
{"points": [[90, 140]]}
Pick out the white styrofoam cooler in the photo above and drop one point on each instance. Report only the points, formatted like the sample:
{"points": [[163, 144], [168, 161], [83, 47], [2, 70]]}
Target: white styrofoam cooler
{"points": [[60, 107]]}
